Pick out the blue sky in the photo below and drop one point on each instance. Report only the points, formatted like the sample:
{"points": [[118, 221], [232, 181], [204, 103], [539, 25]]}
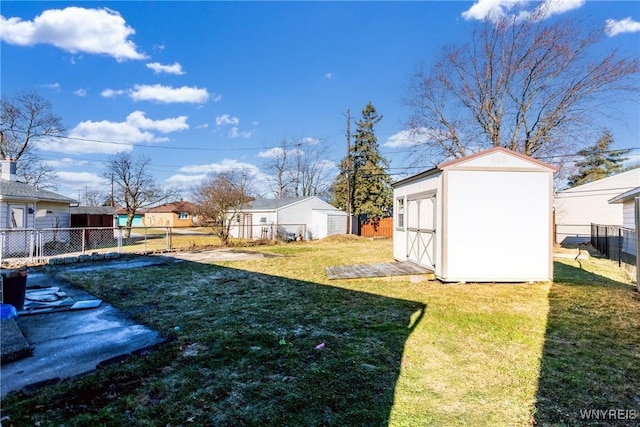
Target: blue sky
{"points": [[207, 86]]}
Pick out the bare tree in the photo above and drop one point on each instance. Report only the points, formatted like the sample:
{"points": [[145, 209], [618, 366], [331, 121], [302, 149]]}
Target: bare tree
{"points": [[278, 166], [218, 200], [23, 119], [312, 171], [32, 170], [134, 186], [525, 84]]}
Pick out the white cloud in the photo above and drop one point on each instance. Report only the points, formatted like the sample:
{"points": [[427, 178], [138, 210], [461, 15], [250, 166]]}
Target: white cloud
{"points": [[74, 29], [226, 119], [111, 137], [53, 86], [174, 68], [111, 93], [310, 141], [272, 153], [626, 25], [495, 10], [194, 174], [408, 138], [168, 94], [76, 179], [80, 92], [328, 76], [235, 132]]}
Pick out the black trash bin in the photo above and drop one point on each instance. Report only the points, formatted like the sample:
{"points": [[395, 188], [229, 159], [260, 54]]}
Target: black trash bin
{"points": [[14, 287]]}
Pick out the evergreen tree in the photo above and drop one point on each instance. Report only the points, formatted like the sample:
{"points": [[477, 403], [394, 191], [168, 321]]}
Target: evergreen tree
{"points": [[598, 161], [370, 184]]}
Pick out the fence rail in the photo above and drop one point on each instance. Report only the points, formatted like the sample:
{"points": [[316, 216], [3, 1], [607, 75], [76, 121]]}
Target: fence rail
{"points": [[33, 246], [616, 243]]}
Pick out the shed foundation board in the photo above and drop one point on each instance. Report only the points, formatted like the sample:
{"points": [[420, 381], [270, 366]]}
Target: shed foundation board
{"points": [[387, 269]]}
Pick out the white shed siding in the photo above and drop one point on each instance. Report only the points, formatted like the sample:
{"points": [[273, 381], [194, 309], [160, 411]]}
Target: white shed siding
{"points": [[430, 183], [576, 208], [628, 214], [493, 215], [497, 226]]}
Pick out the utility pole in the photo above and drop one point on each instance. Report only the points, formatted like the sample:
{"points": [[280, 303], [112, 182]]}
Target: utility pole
{"points": [[348, 171]]}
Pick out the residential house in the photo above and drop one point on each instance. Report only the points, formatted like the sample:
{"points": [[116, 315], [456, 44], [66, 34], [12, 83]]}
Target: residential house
{"points": [[578, 207], [176, 214], [25, 207]]}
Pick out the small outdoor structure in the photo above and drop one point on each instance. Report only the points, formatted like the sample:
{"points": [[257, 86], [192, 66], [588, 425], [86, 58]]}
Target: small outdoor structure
{"points": [[290, 218], [93, 216], [138, 218], [627, 199], [486, 217]]}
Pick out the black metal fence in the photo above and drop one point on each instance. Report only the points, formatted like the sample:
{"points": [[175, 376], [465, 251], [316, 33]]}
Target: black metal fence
{"points": [[616, 243]]}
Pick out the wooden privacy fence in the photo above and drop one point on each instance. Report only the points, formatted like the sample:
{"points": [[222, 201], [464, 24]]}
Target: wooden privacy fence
{"points": [[381, 228]]}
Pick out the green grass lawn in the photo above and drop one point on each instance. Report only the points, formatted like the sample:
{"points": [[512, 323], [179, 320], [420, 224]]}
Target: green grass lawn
{"points": [[273, 342]]}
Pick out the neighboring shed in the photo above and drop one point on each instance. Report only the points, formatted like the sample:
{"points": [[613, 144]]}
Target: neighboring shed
{"points": [[176, 214], [486, 217], [578, 207], [627, 199], [93, 216], [300, 217]]}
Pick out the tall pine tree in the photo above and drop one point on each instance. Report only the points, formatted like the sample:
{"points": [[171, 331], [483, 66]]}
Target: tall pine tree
{"points": [[369, 182], [598, 161]]}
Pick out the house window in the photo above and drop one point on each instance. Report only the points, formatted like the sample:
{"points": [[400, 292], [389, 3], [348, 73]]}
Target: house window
{"points": [[263, 220], [183, 215], [17, 218], [400, 210]]}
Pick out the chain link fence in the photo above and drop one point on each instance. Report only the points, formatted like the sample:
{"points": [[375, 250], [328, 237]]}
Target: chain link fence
{"points": [[34, 246], [616, 243]]}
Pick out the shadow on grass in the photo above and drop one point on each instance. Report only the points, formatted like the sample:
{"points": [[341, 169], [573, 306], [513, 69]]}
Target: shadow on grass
{"points": [[590, 368], [248, 349]]}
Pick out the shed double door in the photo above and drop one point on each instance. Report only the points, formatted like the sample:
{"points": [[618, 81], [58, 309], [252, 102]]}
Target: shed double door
{"points": [[421, 229]]}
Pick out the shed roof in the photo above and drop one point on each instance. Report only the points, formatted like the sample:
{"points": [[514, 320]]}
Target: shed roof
{"points": [[273, 204], [92, 210], [181, 206], [14, 190], [455, 162], [627, 195]]}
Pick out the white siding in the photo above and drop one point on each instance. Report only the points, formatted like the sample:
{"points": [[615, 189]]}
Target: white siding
{"points": [[578, 207], [628, 215], [429, 183], [493, 218], [498, 226]]}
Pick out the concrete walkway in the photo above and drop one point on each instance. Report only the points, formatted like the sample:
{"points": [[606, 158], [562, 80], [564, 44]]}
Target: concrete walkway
{"points": [[67, 343]]}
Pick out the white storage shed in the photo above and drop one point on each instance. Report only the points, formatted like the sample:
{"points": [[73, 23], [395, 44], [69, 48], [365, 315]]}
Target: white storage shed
{"points": [[486, 217]]}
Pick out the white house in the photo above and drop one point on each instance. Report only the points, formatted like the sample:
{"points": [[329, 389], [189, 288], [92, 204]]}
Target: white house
{"points": [[486, 217], [290, 218], [24, 207], [578, 207]]}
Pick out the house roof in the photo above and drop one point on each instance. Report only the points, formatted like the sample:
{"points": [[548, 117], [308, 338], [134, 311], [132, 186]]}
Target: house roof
{"points": [[273, 204], [181, 206], [464, 159], [14, 190], [626, 196], [92, 210], [616, 184]]}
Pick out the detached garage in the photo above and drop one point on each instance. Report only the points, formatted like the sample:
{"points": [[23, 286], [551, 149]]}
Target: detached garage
{"points": [[486, 217]]}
